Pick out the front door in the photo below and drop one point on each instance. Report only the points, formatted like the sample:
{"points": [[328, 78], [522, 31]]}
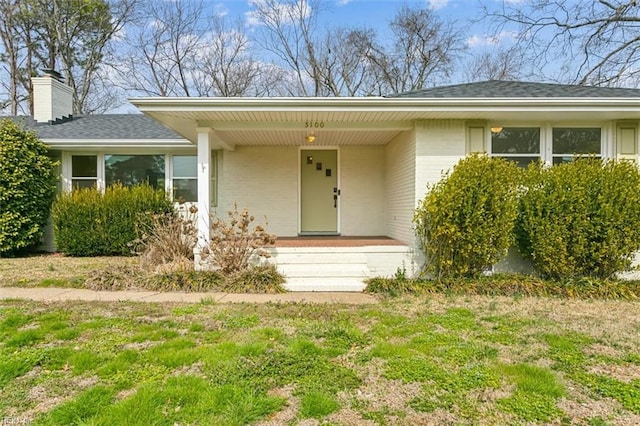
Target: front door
{"points": [[319, 191]]}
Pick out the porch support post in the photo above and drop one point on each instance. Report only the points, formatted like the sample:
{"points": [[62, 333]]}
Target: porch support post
{"points": [[204, 187]]}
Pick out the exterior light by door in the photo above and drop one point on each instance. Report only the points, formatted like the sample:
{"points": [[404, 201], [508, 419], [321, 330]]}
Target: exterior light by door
{"points": [[310, 138]]}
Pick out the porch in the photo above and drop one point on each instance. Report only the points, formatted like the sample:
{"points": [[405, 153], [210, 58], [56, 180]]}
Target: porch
{"points": [[338, 263]]}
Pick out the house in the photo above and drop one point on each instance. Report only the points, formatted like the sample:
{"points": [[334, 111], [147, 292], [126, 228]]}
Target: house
{"points": [[353, 168]]}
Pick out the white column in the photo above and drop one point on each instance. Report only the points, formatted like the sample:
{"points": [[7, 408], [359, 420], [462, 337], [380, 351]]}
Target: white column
{"points": [[204, 185]]}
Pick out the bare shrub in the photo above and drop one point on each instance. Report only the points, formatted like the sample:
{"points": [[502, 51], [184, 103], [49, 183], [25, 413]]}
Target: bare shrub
{"points": [[234, 243], [166, 242], [119, 277]]}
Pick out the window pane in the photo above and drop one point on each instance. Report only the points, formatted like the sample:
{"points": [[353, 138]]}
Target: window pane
{"points": [[516, 140], [135, 169], [185, 189], [576, 141], [83, 183], [84, 166], [185, 166]]}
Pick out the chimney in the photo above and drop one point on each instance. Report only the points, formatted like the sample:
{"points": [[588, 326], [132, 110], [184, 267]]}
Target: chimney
{"points": [[52, 99]]}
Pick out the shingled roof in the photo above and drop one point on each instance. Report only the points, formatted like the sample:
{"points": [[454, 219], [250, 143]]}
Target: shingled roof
{"points": [[98, 127], [519, 89]]}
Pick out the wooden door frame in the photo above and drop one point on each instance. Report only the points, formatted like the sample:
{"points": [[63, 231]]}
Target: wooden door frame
{"points": [[335, 148]]}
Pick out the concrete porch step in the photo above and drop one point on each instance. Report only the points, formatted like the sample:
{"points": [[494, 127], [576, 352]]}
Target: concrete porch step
{"points": [[325, 284], [328, 270], [337, 268]]}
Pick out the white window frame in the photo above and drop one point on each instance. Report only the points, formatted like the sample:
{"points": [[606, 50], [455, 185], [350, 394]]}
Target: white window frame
{"points": [[501, 125], [546, 136], [67, 178], [67, 169], [169, 162]]}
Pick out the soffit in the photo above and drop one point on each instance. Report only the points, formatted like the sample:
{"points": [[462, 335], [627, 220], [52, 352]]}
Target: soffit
{"points": [[360, 120]]}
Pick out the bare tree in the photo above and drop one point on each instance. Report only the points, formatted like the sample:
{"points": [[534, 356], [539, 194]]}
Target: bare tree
{"points": [[181, 50], [10, 57], [287, 28], [68, 35], [422, 52], [591, 41], [160, 56], [496, 63], [228, 68], [344, 65]]}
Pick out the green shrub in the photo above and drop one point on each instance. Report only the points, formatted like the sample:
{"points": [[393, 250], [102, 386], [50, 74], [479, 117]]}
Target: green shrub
{"points": [[27, 188], [89, 223], [580, 219], [465, 221]]}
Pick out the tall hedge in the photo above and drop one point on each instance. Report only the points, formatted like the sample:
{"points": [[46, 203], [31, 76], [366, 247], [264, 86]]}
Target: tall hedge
{"points": [[580, 219], [90, 223], [465, 222], [27, 188]]}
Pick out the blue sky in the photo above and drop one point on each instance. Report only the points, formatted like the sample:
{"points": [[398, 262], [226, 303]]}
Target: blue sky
{"points": [[377, 13]]}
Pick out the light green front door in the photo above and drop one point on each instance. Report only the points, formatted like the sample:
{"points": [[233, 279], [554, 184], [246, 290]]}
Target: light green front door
{"points": [[319, 191]]}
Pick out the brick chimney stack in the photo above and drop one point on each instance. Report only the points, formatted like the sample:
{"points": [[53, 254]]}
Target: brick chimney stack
{"points": [[52, 98]]}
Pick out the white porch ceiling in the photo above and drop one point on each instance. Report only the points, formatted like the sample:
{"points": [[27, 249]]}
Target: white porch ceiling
{"points": [[361, 121]]}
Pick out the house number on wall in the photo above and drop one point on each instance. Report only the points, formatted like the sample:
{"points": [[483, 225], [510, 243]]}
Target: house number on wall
{"points": [[313, 124]]}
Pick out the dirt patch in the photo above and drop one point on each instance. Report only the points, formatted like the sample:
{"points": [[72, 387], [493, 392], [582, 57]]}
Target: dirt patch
{"points": [[349, 417], [288, 413], [45, 400], [139, 346], [602, 350], [623, 372], [580, 412], [378, 393], [126, 393], [196, 369]]}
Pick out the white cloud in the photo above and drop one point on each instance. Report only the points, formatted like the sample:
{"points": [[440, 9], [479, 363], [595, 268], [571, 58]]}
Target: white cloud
{"points": [[485, 40], [220, 10], [343, 2], [437, 4]]}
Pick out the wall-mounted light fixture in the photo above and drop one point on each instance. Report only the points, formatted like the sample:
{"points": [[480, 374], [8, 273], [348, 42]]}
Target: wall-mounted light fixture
{"points": [[310, 138], [496, 129]]}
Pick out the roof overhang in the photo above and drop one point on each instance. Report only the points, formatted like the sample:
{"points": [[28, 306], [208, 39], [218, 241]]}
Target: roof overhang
{"points": [[363, 120], [75, 144]]}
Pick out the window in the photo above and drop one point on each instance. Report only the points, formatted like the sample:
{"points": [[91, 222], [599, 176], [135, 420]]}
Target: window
{"points": [[185, 179], [571, 141], [134, 169], [519, 144], [84, 171]]}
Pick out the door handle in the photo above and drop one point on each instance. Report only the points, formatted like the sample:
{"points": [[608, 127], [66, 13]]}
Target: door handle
{"points": [[335, 201]]}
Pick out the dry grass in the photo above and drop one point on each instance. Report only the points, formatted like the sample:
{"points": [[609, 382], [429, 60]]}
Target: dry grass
{"points": [[54, 270], [338, 337], [126, 273]]}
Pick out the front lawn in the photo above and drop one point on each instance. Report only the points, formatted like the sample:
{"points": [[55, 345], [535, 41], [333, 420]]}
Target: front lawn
{"points": [[410, 360], [54, 270]]}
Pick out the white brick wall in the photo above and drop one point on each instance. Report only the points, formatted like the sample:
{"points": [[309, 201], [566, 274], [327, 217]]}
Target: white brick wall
{"points": [[440, 144], [263, 180], [400, 177], [362, 187]]}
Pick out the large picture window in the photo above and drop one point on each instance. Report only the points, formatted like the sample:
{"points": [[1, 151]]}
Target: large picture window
{"points": [[571, 141], [84, 171], [134, 170], [519, 144], [185, 179]]}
